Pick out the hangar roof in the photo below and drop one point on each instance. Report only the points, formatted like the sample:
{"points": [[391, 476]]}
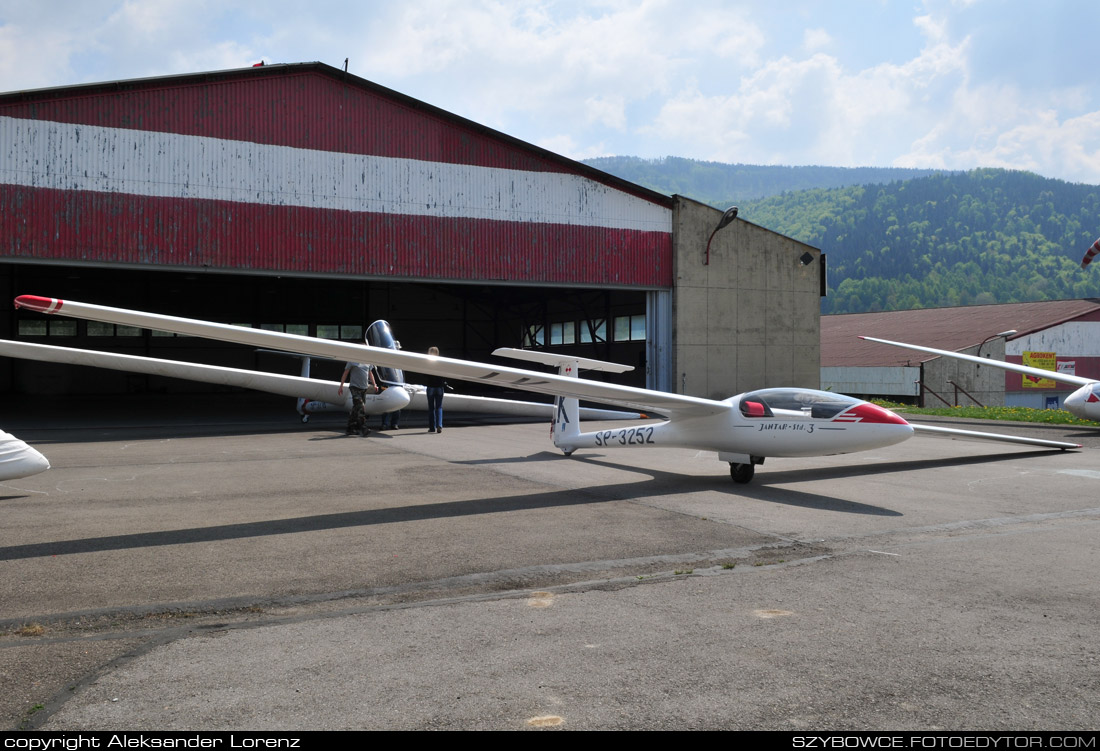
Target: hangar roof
{"points": [[942, 328]]}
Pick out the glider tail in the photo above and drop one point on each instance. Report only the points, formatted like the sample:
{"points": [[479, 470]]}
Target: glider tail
{"points": [[567, 415], [567, 412], [566, 425]]}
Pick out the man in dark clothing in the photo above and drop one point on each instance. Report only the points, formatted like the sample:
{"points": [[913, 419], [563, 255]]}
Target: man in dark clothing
{"points": [[435, 385]]}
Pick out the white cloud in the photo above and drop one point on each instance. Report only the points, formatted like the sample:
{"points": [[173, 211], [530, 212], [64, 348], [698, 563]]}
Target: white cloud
{"points": [[609, 111], [1037, 141], [953, 84], [567, 147], [149, 19], [61, 43], [810, 110], [39, 40], [815, 40], [50, 53], [526, 65], [813, 110]]}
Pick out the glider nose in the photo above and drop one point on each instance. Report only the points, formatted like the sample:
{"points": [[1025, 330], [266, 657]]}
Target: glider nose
{"points": [[34, 462], [395, 398], [895, 423], [1075, 400], [17, 459], [878, 425], [872, 414], [1084, 402]]}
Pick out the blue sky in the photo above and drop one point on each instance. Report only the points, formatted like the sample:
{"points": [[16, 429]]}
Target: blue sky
{"points": [[950, 84]]}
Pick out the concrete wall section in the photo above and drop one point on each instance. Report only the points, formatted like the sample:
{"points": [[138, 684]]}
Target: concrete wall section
{"points": [[984, 385], [750, 318], [883, 381]]}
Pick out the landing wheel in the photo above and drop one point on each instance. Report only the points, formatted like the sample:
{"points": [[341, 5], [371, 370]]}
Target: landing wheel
{"points": [[742, 473], [305, 418], [569, 452]]}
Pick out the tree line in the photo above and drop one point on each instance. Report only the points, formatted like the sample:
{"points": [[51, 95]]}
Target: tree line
{"points": [[933, 239], [974, 238]]}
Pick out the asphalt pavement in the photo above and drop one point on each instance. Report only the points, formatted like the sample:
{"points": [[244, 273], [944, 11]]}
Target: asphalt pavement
{"points": [[219, 565]]}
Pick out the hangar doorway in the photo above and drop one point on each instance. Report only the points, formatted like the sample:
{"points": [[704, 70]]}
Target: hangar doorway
{"points": [[463, 320]]}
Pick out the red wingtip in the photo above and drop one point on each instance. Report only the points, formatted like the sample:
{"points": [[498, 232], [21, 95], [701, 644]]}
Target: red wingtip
{"points": [[40, 304]]}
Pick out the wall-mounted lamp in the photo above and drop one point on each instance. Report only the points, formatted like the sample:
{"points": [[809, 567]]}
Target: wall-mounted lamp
{"points": [[990, 338], [729, 216]]}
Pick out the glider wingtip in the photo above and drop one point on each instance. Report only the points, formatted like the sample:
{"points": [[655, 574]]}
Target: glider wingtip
{"points": [[37, 303]]}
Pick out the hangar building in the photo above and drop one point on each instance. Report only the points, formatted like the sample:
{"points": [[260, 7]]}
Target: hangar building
{"points": [[304, 199], [1063, 334]]}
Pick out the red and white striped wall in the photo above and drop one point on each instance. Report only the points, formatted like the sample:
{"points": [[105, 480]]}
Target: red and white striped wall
{"points": [[236, 175]]}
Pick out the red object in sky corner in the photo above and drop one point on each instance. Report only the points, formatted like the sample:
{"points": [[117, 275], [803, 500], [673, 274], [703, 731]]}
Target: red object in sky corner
{"points": [[1090, 254]]}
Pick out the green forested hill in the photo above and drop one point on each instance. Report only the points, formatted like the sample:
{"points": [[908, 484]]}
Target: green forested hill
{"points": [[985, 236], [901, 241], [726, 185]]}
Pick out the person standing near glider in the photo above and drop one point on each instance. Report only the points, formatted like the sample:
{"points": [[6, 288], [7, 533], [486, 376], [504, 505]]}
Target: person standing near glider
{"points": [[358, 377]]}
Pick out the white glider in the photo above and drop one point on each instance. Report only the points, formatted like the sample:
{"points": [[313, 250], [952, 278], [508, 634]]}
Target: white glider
{"points": [[314, 395], [743, 429], [17, 459]]}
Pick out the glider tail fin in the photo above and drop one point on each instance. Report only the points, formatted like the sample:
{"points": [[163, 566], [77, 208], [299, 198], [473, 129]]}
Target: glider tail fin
{"points": [[567, 413], [566, 425]]}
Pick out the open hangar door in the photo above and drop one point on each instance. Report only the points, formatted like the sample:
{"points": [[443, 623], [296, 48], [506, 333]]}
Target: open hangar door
{"points": [[464, 320], [470, 321]]}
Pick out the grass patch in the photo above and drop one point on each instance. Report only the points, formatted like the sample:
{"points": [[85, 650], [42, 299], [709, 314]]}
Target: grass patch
{"points": [[31, 629], [29, 714], [1012, 414]]}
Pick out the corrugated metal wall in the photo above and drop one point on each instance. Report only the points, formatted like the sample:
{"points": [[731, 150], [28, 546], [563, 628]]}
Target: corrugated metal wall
{"points": [[308, 172], [1076, 342]]}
